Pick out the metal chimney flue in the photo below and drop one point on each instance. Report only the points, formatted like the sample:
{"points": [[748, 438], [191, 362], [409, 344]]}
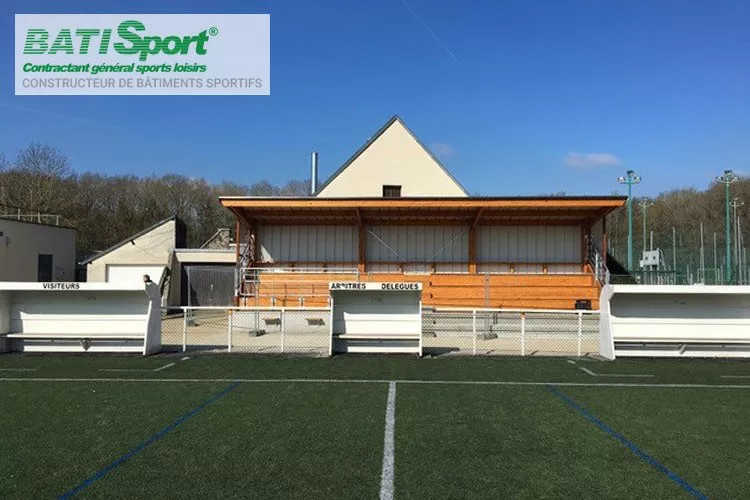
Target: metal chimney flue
{"points": [[313, 173]]}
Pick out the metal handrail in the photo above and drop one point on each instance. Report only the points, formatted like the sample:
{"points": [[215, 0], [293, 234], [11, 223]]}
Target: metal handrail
{"points": [[501, 310], [595, 257], [251, 277]]}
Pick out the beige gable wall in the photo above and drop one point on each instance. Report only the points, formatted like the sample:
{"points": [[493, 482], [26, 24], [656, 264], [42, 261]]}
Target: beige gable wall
{"points": [[152, 248], [22, 242], [192, 256], [396, 158]]}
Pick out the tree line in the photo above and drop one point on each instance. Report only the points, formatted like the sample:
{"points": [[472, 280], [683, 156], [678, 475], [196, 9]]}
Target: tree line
{"points": [[108, 208], [675, 217]]}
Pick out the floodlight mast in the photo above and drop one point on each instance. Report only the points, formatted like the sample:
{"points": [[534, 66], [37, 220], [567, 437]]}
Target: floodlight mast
{"points": [[727, 179], [645, 203], [629, 180], [736, 204]]}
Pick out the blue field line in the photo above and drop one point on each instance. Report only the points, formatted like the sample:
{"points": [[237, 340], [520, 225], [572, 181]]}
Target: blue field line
{"points": [[148, 442], [692, 490]]}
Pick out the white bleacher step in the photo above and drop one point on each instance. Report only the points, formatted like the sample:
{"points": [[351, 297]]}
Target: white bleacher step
{"points": [[70, 336], [376, 336]]}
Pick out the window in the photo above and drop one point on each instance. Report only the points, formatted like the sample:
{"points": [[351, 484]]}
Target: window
{"points": [[44, 268], [391, 191]]}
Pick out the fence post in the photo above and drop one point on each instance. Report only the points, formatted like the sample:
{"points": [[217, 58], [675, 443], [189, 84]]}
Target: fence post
{"points": [[523, 334], [474, 329], [580, 331], [281, 324], [229, 331], [184, 330]]}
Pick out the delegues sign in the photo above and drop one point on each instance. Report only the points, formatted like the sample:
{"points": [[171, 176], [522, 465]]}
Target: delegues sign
{"points": [[142, 54]]}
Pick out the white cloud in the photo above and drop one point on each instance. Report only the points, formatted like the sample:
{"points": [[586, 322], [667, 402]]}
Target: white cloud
{"points": [[591, 160], [442, 150]]}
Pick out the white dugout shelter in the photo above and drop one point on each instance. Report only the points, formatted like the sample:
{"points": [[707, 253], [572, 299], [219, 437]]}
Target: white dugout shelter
{"points": [[80, 317], [376, 317], [675, 321]]}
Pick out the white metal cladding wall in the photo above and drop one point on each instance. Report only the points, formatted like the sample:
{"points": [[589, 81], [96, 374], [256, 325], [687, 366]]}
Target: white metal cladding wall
{"points": [[308, 243], [417, 243], [547, 244]]}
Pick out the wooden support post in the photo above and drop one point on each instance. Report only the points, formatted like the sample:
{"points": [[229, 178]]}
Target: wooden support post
{"points": [[584, 249], [472, 250], [238, 270], [237, 239], [604, 240], [473, 242], [361, 266]]}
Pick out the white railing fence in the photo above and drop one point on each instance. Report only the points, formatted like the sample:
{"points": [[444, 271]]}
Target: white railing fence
{"points": [[260, 330], [510, 332], [459, 331]]}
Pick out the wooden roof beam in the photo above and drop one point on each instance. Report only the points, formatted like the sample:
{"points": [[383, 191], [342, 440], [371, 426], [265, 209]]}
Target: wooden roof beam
{"points": [[412, 203], [477, 217], [359, 218]]}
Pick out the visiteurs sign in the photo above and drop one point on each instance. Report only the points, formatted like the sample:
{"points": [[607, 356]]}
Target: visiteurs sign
{"points": [[142, 54]]}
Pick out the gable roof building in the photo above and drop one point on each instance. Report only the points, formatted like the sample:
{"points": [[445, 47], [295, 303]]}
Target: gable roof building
{"points": [[146, 252], [392, 163]]}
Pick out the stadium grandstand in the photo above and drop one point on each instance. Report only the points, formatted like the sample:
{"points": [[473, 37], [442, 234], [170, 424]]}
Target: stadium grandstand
{"points": [[393, 212]]}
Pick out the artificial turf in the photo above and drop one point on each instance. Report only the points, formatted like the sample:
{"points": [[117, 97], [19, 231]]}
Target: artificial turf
{"points": [[501, 442], [386, 367], [321, 439]]}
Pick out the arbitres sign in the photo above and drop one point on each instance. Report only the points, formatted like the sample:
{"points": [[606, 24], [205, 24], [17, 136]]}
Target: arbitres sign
{"points": [[142, 54]]}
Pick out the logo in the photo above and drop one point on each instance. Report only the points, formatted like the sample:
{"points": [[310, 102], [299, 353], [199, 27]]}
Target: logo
{"points": [[38, 41], [142, 54]]}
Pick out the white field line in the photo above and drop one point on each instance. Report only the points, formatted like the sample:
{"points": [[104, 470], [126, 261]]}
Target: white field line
{"points": [[594, 374], [17, 369], [168, 365], [735, 376], [377, 381], [389, 460], [164, 367]]}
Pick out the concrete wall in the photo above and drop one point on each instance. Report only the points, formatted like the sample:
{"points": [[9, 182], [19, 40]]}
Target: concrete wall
{"points": [[21, 244], [152, 248], [394, 158]]}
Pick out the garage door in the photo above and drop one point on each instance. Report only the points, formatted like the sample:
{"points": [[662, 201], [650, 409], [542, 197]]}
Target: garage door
{"points": [[132, 274], [209, 285]]}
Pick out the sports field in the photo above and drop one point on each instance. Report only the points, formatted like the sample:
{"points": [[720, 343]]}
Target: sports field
{"points": [[367, 427]]}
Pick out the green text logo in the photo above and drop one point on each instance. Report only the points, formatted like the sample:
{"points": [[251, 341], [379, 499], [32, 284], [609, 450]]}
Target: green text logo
{"points": [[38, 41]]}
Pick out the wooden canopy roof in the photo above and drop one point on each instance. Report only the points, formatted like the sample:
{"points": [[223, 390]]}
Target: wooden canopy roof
{"points": [[422, 211]]}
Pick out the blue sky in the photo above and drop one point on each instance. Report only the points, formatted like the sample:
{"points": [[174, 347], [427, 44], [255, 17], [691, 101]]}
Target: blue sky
{"points": [[516, 97]]}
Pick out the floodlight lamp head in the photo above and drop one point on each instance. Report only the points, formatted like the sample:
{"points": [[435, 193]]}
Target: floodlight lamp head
{"points": [[621, 180], [630, 173], [727, 178]]}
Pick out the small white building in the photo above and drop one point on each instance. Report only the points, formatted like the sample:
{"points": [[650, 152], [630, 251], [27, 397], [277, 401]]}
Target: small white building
{"points": [[186, 276], [146, 252], [32, 251]]}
